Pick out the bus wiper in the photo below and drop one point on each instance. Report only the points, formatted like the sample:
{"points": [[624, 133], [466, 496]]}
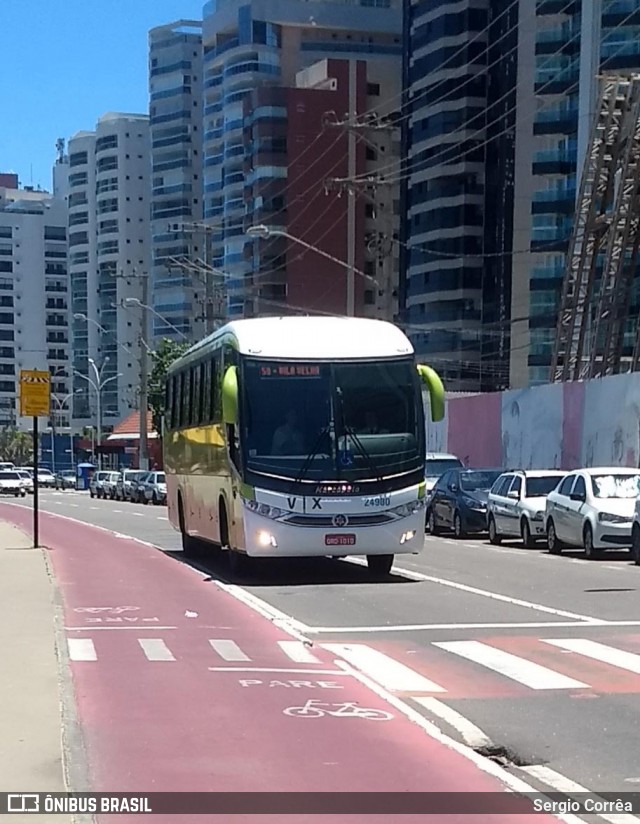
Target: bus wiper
{"points": [[348, 430], [326, 430]]}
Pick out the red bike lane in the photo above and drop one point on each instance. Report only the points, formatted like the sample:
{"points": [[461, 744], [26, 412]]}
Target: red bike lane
{"points": [[179, 687]]}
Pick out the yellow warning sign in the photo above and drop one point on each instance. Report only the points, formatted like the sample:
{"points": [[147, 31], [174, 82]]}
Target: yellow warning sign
{"points": [[35, 400]]}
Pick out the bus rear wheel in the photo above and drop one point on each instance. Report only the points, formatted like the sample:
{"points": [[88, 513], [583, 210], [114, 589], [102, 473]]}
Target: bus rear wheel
{"points": [[380, 564]]}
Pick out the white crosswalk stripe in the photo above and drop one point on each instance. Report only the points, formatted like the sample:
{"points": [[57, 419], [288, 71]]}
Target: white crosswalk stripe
{"points": [[599, 652], [386, 671], [81, 649], [298, 652], [229, 650], [511, 666], [155, 649]]}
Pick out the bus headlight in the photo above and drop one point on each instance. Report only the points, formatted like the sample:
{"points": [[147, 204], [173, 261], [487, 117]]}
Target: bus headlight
{"points": [[266, 538], [264, 509]]}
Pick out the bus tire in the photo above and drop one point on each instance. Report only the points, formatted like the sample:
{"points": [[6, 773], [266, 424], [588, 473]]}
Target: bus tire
{"points": [[380, 564], [189, 544]]}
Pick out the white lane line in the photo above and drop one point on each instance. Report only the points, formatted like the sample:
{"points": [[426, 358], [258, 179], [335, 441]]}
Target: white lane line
{"points": [[117, 511], [517, 602], [277, 669], [565, 785], [599, 652], [92, 628], [511, 666], [487, 766], [298, 652], [155, 649], [94, 507], [81, 649], [415, 627], [471, 735], [138, 514], [162, 518], [280, 619], [229, 650], [387, 672]]}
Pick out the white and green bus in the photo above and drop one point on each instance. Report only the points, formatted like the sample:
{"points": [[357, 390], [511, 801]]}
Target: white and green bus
{"points": [[299, 436]]}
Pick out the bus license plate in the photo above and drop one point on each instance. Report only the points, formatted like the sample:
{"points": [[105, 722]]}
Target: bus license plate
{"points": [[340, 540]]}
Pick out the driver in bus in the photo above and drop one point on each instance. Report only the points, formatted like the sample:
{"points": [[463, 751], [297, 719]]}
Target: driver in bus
{"points": [[371, 426], [288, 439]]}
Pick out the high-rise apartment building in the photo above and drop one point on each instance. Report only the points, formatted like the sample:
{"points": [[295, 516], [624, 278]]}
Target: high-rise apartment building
{"points": [[175, 89], [109, 262], [460, 75], [563, 47], [248, 180], [289, 168], [34, 298]]}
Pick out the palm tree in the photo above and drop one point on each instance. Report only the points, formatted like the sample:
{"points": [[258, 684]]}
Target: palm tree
{"points": [[15, 446]]}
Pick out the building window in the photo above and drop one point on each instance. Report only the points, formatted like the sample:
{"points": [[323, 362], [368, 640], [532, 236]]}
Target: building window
{"points": [[373, 89]]}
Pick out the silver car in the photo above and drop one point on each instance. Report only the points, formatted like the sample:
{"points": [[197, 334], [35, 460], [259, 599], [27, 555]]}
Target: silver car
{"points": [[153, 487], [517, 502]]}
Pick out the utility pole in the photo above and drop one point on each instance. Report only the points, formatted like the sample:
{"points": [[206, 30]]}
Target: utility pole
{"points": [[351, 202], [143, 449], [366, 187], [207, 272]]}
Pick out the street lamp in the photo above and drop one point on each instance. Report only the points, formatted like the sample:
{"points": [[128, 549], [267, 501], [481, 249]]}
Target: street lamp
{"points": [[98, 385], [264, 232], [136, 302], [61, 404]]}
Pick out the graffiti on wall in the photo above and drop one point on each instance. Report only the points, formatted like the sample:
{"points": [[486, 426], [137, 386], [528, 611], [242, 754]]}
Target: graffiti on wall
{"points": [[562, 426]]}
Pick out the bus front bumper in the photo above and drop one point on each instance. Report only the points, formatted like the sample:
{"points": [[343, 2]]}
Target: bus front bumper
{"points": [[265, 537]]}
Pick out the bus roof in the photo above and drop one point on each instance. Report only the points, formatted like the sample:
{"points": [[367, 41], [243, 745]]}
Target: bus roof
{"points": [[310, 337]]}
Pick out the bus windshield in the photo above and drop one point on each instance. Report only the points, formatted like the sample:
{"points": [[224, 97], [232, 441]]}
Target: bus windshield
{"points": [[321, 421]]}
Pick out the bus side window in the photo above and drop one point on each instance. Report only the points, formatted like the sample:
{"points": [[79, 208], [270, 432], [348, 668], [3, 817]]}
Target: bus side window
{"points": [[196, 387], [177, 401], [185, 417], [206, 393], [216, 378], [168, 403]]}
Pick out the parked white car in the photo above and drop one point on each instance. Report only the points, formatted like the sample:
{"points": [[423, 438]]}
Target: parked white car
{"points": [[46, 477], [517, 503], [12, 484], [592, 508], [27, 479]]}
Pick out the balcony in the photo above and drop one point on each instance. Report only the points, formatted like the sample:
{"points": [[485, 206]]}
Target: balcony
{"points": [[561, 120], [544, 7], [559, 40], [554, 162], [556, 81], [554, 201]]}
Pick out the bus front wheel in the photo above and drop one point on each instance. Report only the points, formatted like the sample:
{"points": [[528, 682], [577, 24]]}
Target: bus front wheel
{"points": [[380, 564]]}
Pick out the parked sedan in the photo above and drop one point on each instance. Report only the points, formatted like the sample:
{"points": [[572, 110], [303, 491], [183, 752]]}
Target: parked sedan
{"points": [[46, 478], [459, 501], [11, 483], [127, 484], [517, 503], [153, 487], [592, 508], [66, 479], [27, 479]]}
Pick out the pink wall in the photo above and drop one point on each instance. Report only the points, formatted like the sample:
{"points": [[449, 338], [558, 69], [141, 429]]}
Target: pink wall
{"points": [[573, 411], [475, 429]]}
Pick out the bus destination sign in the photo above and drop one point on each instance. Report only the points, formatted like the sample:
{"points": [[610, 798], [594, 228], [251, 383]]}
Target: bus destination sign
{"points": [[290, 370]]}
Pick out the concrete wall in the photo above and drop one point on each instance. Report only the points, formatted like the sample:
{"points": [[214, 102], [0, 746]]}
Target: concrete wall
{"points": [[552, 426]]}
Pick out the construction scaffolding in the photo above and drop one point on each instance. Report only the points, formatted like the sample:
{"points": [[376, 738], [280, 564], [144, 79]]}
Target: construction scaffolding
{"points": [[606, 238]]}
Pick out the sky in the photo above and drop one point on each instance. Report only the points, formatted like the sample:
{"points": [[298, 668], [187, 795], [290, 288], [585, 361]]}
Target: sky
{"points": [[66, 63]]}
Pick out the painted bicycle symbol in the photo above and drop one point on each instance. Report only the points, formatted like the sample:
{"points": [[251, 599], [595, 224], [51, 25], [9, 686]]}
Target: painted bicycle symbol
{"points": [[115, 610], [348, 709]]}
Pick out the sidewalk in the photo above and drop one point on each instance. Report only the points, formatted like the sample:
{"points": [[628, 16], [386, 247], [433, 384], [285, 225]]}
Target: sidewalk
{"points": [[31, 757]]}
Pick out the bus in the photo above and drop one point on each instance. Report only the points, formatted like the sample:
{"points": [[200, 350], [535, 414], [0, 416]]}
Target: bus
{"points": [[299, 436]]}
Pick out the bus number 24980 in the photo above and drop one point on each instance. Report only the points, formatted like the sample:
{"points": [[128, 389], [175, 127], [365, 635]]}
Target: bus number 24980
{"points": [[379, 501]]}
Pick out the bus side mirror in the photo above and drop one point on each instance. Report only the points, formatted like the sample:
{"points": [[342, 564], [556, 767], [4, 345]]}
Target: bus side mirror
{"points": [[431, 380], [230, 396]]}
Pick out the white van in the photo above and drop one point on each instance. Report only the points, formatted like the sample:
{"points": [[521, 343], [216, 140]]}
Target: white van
{"points": [[436, 464]]}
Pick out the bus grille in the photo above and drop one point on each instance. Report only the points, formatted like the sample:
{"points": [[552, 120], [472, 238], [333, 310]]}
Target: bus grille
{"points": [[327, 520]]}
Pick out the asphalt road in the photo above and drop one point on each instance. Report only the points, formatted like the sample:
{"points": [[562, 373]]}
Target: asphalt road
{"points": [[530, 658]]}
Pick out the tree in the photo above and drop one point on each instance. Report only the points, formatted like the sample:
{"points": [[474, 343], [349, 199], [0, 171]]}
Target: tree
{"points": [[16, 446], [167, 352]]}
